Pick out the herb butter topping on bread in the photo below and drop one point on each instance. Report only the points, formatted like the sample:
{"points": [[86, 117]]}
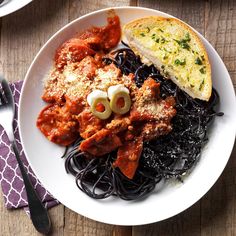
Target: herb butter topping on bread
{"points": [[175, 49]]}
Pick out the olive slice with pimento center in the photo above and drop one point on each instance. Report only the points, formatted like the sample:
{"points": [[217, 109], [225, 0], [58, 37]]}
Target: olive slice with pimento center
{"points": [[120, 101], [99, 104]]}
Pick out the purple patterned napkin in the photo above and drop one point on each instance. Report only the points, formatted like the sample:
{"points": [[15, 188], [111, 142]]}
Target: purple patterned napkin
{"points": [[10, 176]]}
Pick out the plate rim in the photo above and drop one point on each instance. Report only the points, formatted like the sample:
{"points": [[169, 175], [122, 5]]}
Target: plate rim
{"points": [[68, 25], [14, 9]]}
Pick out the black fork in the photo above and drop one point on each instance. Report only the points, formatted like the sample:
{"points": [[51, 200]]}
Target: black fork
{"points": [[38, 212]]}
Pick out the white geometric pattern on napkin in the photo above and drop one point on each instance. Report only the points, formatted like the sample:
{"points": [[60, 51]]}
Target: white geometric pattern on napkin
{"points": [[10, 176]]}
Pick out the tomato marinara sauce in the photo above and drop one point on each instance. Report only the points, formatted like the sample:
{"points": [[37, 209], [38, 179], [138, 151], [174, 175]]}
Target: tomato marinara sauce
{"points": [[79, 69]]}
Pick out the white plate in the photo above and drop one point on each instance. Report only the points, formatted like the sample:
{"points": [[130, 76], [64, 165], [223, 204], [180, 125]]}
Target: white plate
{"points": [[10, 6], [45, 160]]}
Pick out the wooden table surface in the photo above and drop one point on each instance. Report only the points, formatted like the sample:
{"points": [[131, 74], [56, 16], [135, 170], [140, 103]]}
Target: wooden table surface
{"points": [[24, 32]]}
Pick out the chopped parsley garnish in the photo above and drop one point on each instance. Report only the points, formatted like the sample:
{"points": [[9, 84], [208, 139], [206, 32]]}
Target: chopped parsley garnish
{"points": [[165, 57], [157, 40], [148, 29], [202, 70], [166, 73], [163, 40], [161, 30], [167, 50], [179, 62], [142, 34], [184, 42], [187, 36], [184, 45], [201, 85], [198, 61]]}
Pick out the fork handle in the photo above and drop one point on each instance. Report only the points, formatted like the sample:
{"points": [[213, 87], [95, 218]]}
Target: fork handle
{"points": [[38, 212]]}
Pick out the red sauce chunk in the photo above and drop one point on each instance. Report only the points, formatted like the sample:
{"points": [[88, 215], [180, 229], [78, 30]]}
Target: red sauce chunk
{"points": [[101, 143], [73, 50], [55, 121], [128, 157], [87, 43], [79, 69], [57, 125]]}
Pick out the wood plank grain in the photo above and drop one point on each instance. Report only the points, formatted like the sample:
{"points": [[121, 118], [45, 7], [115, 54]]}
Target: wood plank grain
{"points": [[22, 35], [79, 8], [16, 222], [221, 32], [192, 12], [77, 225], [219, 206], [25, 31], [184, 224]]}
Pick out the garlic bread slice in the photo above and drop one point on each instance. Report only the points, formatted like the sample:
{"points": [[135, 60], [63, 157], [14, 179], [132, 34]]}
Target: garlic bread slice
{"points": [[175, 49]]}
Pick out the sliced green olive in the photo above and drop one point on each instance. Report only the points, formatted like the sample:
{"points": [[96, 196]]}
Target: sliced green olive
{"points": [[103, 113], [120, 102]]}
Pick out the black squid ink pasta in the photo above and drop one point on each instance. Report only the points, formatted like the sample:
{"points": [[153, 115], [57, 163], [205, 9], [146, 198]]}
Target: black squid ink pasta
{"points": [[169, 156]]}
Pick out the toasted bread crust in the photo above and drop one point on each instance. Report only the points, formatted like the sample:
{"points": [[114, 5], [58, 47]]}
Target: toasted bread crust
{"points": [[145, 53]]}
